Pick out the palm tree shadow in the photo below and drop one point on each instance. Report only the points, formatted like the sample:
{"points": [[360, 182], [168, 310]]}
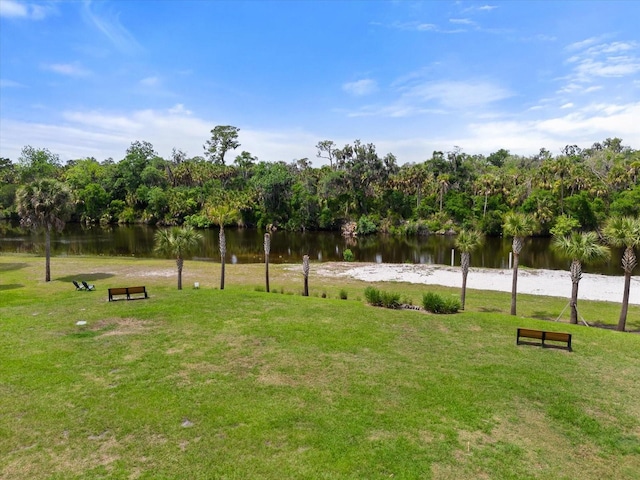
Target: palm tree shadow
{"points": [[541, 315], [11, 286], [490, 310], [88, 277], [5, 267]]}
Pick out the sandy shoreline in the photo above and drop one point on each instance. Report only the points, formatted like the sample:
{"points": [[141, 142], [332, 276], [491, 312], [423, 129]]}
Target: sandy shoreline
{"points": [[555, 283]]}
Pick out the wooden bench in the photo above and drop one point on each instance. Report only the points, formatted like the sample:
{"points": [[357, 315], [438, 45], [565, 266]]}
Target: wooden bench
{"points": [[557, 337], [127, 291]]}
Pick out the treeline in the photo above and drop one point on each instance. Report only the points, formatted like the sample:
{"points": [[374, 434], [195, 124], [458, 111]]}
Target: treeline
{"points": [[358, 189]]}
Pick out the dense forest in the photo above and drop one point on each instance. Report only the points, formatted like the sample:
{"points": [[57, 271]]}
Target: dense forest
{"points": [[357, 188]]}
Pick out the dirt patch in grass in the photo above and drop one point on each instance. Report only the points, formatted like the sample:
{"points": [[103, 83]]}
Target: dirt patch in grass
{"points": [[121, 326]]}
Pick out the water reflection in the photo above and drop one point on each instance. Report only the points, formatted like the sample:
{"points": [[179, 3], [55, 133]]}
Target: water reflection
{"points": [[247, 246]]}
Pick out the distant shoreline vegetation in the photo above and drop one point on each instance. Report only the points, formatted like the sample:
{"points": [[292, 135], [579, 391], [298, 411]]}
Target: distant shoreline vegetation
{"points": [[358, 189]]}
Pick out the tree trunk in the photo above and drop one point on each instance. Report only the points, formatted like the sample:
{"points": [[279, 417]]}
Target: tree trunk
{"points": [[514, 282], [629, 262], [266, 271], [574, 303], [464, 262], [180, 263], [47, 254], [223, 253], [222, 273], [576, 275], [622, 322], [305, 273], [267, 249]]}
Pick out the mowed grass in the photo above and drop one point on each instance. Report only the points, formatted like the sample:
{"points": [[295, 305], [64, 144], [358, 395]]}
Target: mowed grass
{"points": [[244, 384]]}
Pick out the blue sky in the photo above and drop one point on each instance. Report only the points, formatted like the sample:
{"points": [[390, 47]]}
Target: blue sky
{"points": [[87, 78]]}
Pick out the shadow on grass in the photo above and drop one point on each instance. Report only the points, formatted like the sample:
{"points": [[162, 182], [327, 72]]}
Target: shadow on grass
{"points": [[5, 267], [610, 326], [490, 310], [11, 286], [542, 315], [87, 277]]}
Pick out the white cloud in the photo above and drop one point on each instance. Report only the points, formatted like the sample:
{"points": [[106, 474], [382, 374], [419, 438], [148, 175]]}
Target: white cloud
{"points": [[69, 69], [150, 81], [360, 88], [5, 83], [29, 11], [593, 60], [462, 21], [9, 8], [458, 94], [101, 134], [179, 109], [582, 126], [109, 24], [567, 105]]}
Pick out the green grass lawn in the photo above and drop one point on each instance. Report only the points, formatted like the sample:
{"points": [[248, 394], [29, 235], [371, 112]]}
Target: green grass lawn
{"points": [[244, 384]]}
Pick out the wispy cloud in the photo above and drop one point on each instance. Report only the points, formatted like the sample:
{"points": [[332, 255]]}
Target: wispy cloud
{"points": [[362, 87], [419, 27], [462, 21], [179, 109], [581, 126], [68, 69], [616, 59], [5, 83], [482, 8], [150, 82], [458, 95], [109, 24], [25, 10], [104, 134]]}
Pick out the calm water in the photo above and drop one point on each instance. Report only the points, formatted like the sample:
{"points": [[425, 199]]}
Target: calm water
{"points": [[246, 246]]}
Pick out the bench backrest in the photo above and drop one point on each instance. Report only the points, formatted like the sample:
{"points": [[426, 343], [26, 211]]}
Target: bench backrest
{"points": [[117, 291], [525, 332], [136, 290], [557, 336]]}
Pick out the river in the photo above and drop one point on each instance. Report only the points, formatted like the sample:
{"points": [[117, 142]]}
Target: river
{"points": [[246, 246]]}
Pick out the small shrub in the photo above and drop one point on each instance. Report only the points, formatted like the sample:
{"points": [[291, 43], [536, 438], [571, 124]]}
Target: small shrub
{"points": [[373, 296], [378, 298], [432, 302], [452, 305], [343, 294], [390, 300], [348, 255], [324, 295]]}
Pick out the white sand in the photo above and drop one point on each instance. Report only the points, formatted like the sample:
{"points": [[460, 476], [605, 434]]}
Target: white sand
{"points": [[537, 282]]}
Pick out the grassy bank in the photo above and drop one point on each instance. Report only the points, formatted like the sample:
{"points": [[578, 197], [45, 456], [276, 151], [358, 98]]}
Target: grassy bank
{"points": [[241, 383]]}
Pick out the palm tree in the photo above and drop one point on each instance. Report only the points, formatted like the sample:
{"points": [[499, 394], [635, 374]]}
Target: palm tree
{"points": [[624, 232], [221, 215], [177, 242], [44, 205], [518, 226], [580, 248], [466, 242]]}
